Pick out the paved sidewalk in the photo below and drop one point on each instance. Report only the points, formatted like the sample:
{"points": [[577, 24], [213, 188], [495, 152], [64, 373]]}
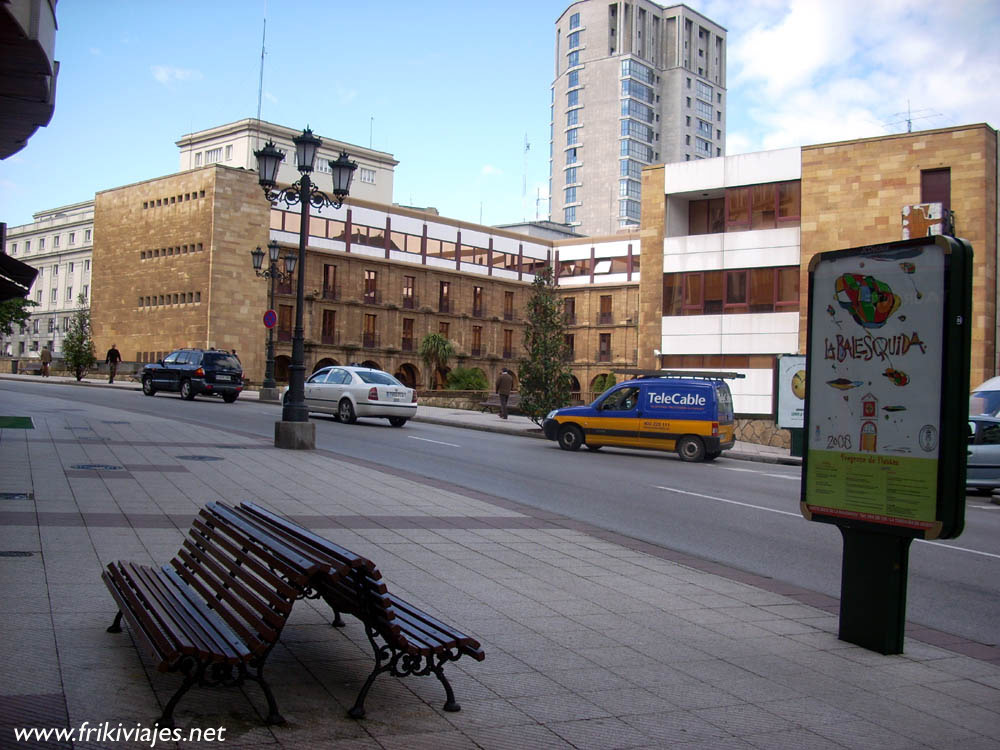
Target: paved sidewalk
{"points": [[593, 640]]}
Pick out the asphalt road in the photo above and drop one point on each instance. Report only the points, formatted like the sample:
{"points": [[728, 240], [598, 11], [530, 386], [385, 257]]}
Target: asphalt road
{"points": [[740, 513]]}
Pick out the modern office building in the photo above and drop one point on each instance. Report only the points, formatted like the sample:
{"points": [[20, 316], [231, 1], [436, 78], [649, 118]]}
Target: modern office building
{"points": [[635, 84], [233, 145], [59, 244]]}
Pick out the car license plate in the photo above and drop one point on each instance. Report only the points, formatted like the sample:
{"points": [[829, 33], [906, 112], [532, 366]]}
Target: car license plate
{"points": [[397, 396], [223, 377]]}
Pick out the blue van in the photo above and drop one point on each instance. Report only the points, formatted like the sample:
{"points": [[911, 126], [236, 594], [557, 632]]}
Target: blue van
{"points": [[687, 412]]}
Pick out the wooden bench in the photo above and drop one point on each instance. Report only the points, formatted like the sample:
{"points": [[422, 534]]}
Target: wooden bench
{"points": [[493, 402], [405, 640], [30, 368], [216, 610]]}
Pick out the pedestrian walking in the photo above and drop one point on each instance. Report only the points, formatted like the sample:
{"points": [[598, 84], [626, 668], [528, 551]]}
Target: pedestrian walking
{"points": [[46, 358], [505, 383], [112, 360]]}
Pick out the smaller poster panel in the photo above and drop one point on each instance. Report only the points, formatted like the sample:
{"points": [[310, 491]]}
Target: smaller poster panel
{"points": [[790, 391]]}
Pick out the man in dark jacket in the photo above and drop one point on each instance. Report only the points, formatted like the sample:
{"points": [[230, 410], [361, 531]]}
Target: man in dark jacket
{"points": [[505, 383], [112, 360]]}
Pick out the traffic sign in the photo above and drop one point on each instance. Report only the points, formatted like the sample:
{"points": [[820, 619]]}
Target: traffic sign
{"points": [[270, 318]]}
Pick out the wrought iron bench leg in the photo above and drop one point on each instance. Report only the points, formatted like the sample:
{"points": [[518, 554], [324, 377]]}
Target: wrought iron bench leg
{"points": [[358, 710], [450, 704], [273, 716], [167, 718], [338, 621], [116, 626]]}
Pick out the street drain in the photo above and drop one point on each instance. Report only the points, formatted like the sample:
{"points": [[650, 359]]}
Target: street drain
{"points": [[14, 496], [201, 458], [96, 467], [12, 553]]}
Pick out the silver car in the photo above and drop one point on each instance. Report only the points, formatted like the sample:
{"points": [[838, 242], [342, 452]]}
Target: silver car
{"points": [[350, 392], [983, 467]]}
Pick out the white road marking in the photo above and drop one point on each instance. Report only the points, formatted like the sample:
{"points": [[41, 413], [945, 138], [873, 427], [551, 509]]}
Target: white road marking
{"points": [[760, 473], [799, 515], [731, 502], [427, 440]]}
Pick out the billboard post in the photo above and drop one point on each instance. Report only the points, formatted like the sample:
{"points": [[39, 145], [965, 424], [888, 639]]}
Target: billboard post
{"points": [[887, 393]]}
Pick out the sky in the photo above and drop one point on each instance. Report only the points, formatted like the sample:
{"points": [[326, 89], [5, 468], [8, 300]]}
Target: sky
{"points": [[454, 90]]}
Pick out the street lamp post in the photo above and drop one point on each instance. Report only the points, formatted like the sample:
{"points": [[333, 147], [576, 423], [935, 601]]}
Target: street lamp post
{"points": [[295, 430], [269, 389]]}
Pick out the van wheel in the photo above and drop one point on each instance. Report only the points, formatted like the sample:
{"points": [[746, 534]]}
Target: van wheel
{"points": [[570, 438], [690, 448]]}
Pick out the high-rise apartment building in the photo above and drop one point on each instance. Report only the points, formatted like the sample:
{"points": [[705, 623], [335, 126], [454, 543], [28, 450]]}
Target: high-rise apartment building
{"points": [[635, 84]]}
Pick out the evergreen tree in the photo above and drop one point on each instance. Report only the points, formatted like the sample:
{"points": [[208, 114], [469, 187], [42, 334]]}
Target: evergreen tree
{"points": [[78, 347], [14, 313], [436, 351], [545, 378]]}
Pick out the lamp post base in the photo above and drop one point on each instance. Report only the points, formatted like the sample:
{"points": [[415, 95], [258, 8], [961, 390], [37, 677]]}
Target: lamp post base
{"points": [[295, 435], [269, 394]]}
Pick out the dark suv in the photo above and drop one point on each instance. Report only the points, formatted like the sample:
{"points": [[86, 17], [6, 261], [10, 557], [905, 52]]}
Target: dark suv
{"points": [[193, 372]]}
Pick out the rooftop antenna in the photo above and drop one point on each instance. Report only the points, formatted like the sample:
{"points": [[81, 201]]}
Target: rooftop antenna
{"points": [[910, 115], [260, 82]]}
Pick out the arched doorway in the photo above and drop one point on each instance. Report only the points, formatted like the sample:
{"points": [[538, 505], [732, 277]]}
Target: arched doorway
{"points": [[408, 375], [281, 364], [325, 362], [372, 364], [574, 389]]}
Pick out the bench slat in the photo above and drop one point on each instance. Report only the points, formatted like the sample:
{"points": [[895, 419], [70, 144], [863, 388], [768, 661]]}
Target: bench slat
{"points": [[157, 644]]}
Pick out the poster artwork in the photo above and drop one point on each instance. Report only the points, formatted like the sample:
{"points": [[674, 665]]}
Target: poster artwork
{"points": [[875, 386]]}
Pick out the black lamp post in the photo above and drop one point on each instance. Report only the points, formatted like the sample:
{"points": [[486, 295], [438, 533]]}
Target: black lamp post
{"points": [[271, 273], [305, 194]]}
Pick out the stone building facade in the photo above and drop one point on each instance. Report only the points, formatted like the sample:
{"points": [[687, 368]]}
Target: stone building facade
{"points": [[171, 265]]}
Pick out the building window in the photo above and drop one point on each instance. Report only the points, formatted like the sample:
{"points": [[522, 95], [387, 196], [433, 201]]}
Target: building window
{"points": [[367, 175], [573, 136], [629, 209], [569, 311], [604, 348], [285, 322], [570, 195], [573, 117], [213, 155], [409, 298], [637, 91], [69, 294], [371, 287], [197, 159], [71, 267], [52, 325], [86, 292], [407, 344], [72, 238], [52, 296], [41, 243], [573, 59], [634, 69], [369, 338], [704, 109], [573, 40], [573, 79], [330, 290], [753, 290], [27, 246], [55, 270], [703, 147], [444, 298], [86, 235], [571, 156], [703, 91], [508, 305], [229, 153], [329, 332], [569, 214], [574, 21], [476, 349], [477, 302], [935, 187], [443, 327], [573, 98], [508, 343], [631, 168], [86, 265], [571, 176], [629, 189]]}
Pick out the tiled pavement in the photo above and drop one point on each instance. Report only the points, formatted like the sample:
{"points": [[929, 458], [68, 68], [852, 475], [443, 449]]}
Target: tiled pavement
{"points": [[593, 640]]}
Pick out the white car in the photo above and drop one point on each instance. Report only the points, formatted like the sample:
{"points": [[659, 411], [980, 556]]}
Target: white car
{"points": [[352, 392]]}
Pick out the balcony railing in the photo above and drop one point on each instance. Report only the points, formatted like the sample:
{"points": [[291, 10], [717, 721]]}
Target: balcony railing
{"points": [[408, 345], [284, 335], [602, 356], [476, 351], [508, 314], [444, 305], [331, 292], [370, 340], [478, 312], [570, 320], [283, 287], [331, 339], [372, 297], [508, 354], [605, 318], [410, 303]]}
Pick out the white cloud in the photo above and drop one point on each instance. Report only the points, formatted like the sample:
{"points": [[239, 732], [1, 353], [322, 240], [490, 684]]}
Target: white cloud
{"points": [[270, 97], [489, 170], [806, 71], [167, 74]]}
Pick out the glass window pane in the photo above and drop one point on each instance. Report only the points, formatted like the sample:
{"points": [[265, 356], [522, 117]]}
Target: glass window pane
{"points": [[713, 292], [736, 287], [789, 200], [761, 290], [788, 285], [762, 216], [738, 207]]}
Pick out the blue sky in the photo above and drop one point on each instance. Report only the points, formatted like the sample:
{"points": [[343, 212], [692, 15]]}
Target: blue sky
{"points": [[451, 89]]}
